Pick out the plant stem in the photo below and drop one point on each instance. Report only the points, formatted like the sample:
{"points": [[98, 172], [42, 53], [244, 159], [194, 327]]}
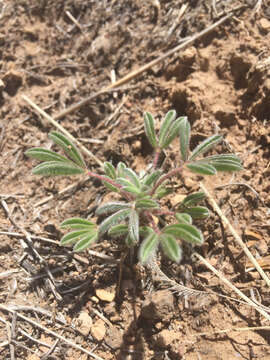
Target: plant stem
{"points": [[125, 194], [156, 157], [163, 212], [165, 177], [151, 220]]}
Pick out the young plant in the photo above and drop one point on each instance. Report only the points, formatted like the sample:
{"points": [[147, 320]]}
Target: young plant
{"points": [[138, 217]]}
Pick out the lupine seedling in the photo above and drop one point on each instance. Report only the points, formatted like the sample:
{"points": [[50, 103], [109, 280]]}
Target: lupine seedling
{"points": [[139, 217]]}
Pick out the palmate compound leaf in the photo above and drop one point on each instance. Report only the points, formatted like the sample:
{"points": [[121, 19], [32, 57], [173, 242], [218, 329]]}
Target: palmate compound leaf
{"points": [[185, 232], [112, 207], [69, 148], [109, 170], [54, 168], [84, 234], [201, 168], [113, 220], [206, 145], [148, 247], [45, 155], [132, 176], [170, 247], [149, 128], [165, 126], [133, 226]]}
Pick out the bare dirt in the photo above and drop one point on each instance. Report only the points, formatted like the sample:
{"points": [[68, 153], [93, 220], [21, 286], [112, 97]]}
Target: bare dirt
{"points": [[222, 83]]}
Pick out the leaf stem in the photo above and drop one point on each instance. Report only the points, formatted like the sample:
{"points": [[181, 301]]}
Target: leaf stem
{"points": [[165, 177], [152, 222], [156, 157]]}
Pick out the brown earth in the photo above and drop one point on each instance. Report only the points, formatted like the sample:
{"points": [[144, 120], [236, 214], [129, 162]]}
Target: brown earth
{"points": [[222, 83]]}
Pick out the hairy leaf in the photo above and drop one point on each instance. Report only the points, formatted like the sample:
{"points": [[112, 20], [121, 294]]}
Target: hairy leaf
{"points": [[113, 220], [120, 169], [109, 170], [184, 138], [152, 178], [118, 230], [133, 226], [173, 132], [183, 218], [133, 177], [148, 247], [112, 207], [45, 155], [165, 126], [69, 148], [205, 146], [197, 212], [171, 247], [110, 187], [193, 199], [185, 232], [146, 204], [73, 236], [54, 168], [145, 231], [77, 223], [149, 127], [85, 242], [202, 168]]}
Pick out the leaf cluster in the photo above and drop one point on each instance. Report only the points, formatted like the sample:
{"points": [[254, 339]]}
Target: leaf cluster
{"points": [[136, 217]]}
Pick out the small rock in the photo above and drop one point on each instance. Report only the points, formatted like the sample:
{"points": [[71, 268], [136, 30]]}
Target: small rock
{"points": [[165, 337], [98, 330], [13, 81], [105, 295], [264, 25], [84, 323], [158, 306], [95, 299], [114, 338], [115, 318]]}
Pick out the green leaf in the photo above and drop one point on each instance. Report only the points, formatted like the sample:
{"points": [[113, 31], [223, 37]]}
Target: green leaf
{"points": [[193, 199], [109, 170], [132, 189], [173, 132], [185, 232], [224, 162], [198, 212], [120, 169], [148, 247], [149, 127], [145, 230], [202, 168], [69, 148], [113, 220], [54, 168], [183, 218], [73, 236], [165, 125], [77, 223], [171, 247], [129, 242], [118, 230], [132, 176], [227, 166], [152, 178], [45, 155], [124, 182], [85, 242], [184, 132], [133, 226], [111, 207], [110, 186], [146, 204], [205, 146], [162, 191]]}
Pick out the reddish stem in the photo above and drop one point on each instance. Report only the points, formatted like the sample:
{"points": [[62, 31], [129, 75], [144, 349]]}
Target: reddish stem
{"points": [[165, 177], [156, 157], [151, 220]]}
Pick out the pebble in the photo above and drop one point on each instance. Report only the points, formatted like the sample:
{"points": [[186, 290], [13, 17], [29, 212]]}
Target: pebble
{"points": [[265, 24], [165, 337], [98, 330], [105, 295], [84, 323], [158, 306], [114, 338]]}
